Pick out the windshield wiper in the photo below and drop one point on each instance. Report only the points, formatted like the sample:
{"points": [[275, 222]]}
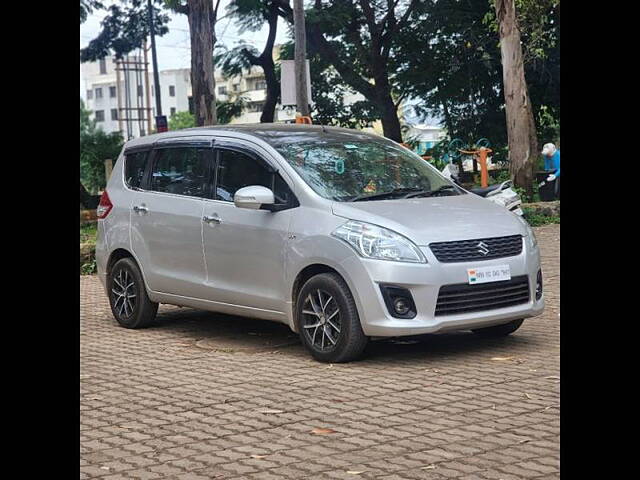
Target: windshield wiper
{"points": [[395, 191], [429, 193]]}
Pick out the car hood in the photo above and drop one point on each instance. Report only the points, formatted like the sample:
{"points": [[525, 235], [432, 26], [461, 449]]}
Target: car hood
{"points": [[436, 219]]}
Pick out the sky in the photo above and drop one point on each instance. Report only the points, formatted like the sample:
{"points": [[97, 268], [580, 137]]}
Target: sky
{"points": [[173, 48]]}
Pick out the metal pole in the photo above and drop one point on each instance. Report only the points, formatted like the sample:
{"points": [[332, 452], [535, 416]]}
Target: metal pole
{"points": [[300, 55], [146, 82], [119, 90], [154, 59]]}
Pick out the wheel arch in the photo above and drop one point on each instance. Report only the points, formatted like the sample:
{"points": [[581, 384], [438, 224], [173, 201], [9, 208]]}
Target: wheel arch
{"points": [[304, 275]]}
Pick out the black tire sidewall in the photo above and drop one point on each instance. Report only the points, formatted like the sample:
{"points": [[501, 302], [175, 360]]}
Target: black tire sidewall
{"points": [[351, 339], [140, 316]]}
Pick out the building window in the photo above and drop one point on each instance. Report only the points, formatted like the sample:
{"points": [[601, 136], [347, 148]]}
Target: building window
{"points": [[98, 92], [173, 111], [114, 114], [191, 109], [261, 85], [103, 66], [99, 115], [222, 90], [89, 94], [256, 106], [112, 92], [172, 91], [236, 86], [140, 90]]}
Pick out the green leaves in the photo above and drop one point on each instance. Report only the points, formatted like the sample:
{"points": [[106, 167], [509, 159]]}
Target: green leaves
{"points": [[124, 28], [95, 147]]}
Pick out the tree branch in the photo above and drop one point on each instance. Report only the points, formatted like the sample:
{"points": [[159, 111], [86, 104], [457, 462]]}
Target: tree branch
{"points": [[346, 71], [369, 15]]}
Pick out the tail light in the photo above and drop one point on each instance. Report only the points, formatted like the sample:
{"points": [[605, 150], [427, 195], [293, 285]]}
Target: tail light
{"points": [[105, 205]]}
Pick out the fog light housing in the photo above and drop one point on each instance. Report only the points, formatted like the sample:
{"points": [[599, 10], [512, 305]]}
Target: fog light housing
{"points": [[539, 285], [399, 301]]}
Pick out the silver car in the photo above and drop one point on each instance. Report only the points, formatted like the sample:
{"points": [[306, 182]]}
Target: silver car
{"points": [[343, 236]]}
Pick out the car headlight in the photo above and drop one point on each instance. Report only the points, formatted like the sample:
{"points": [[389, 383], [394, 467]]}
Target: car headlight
{"points": [[372, 241], [533, 241]]}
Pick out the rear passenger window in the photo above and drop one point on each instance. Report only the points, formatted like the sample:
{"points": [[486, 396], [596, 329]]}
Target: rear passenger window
{"points": [[134, 166], [181, 171]]}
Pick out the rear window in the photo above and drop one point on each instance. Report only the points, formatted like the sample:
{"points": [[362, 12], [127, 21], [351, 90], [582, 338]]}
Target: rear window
{"points": [[134, 166]]}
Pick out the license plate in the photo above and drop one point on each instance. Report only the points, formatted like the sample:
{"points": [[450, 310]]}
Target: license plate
{"points": [[494, 273]]}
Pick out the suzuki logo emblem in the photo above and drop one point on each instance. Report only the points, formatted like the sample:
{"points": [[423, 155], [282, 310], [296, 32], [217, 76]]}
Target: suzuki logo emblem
{"points": [[483, 248]]}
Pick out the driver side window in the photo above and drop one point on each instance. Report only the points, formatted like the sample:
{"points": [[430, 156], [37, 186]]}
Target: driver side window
{"points": [[237, 170]]}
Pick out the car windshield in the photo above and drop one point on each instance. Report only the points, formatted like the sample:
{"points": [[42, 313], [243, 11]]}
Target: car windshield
{"points": [[364, 170]]}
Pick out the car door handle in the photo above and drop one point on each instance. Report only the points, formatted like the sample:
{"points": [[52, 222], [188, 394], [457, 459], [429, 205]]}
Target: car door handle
{"points": [[140, 209], [213, 219]]}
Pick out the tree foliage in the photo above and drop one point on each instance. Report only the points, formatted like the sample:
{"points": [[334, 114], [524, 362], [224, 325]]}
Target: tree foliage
{"points": [[251, 15], [123, 29], [95, 147], [87, 7], [455, 71], [332, 99], [226, 111], [360, 39]]}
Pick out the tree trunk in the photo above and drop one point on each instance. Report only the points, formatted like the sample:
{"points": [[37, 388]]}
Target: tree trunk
{"points": [[268, 67], [389, 115], [202, 19], [521, 129], [300, 58], [273, 90]]}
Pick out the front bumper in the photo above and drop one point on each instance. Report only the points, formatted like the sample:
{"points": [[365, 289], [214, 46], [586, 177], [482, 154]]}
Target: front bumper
{"points": [[424, 282]]}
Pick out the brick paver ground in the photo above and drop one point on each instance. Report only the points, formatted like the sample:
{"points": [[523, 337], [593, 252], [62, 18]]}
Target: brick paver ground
{"points": [[202, 395]]}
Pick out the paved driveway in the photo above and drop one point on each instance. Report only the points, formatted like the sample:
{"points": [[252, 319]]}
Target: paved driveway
{"points": [[202, 395]]}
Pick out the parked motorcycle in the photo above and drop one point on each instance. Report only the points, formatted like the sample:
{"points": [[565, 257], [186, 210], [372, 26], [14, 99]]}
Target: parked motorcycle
{"points": [[499, 193]]}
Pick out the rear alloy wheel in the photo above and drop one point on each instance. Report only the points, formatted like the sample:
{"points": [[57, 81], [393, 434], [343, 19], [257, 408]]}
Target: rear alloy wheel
{"points": [[328, 320], [500, 330], [130, 304]]}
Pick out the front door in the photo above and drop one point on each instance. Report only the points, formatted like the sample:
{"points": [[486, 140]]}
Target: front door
{"points": [[166, 220], [245, 249]]}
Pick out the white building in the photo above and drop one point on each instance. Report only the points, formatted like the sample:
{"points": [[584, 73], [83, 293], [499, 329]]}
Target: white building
{"points": [[427, 136], [106, 87], [102, 90]]}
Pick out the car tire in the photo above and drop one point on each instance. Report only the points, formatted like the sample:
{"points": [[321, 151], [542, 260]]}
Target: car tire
{"points": [[500, 330], [326, 312], [128, 297]]}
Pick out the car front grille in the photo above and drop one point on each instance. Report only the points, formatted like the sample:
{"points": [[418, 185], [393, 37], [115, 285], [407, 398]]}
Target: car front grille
{"points": [[478, 249], [465, 298]]}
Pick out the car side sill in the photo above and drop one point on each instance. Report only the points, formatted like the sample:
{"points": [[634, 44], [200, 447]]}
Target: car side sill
{"points": [[221, 307]]}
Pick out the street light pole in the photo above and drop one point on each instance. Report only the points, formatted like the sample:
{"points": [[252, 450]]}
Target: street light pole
{"points": [[300, 56], [161, 120]]}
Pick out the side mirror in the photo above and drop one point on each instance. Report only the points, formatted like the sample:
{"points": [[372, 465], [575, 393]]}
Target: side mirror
{"points": [[253, 197]]}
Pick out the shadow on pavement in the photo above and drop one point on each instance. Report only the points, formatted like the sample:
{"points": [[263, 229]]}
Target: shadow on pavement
{"points": [[220, 332]]}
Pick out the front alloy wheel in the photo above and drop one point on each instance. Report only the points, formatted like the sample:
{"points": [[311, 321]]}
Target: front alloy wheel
{"points": [[328, 319], [321, 320]]}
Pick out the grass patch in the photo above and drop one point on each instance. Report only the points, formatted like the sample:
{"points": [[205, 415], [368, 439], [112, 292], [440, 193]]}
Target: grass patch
{"points": [[88, 232], [537, 220]]}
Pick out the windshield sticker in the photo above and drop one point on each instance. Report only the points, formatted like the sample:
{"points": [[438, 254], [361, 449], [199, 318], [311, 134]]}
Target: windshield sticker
{"points": [[350, 146], [339, 166], [371, 187]]}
